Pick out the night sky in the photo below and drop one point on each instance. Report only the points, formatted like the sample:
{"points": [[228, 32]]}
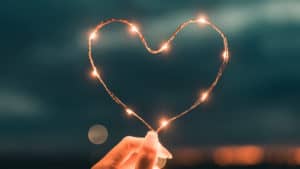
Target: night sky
{"points": [[48, 100]]}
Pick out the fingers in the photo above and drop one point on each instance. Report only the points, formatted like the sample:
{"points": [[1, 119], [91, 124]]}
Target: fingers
{"points": [[135, 161], [130, 162], [163, 152], [148, 152], [134, 152], [120, 153], [146, 158]]}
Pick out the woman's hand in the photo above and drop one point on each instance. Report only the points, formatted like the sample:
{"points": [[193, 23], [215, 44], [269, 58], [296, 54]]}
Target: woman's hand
{"points": [[135, 153]]}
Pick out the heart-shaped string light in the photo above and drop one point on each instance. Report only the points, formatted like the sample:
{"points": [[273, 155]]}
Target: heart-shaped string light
{"points": [[134, 29]]}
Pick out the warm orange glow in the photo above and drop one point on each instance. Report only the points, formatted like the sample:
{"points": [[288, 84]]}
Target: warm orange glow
{"points": [[248, 155], [204, 96], [223, 156], [134, 29], [240, 155], [93, 35], [297, 156], [95, 73], [202, 20], [164, 123], [225, 56], [156, 167], [190, 156], [165, 47], [129, 111]]}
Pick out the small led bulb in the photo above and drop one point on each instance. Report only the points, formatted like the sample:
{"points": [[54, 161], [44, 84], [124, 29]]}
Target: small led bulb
{"points": [[134, 29], [165, 47], [93, 35], [225, 56], [204, 96], [129, 111], [202, 20], [95, 73], [164, 123]]}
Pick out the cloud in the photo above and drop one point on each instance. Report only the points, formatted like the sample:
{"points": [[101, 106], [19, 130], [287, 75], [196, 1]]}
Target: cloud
{"points": [[237, 18], [14, 103], [233, 19]]}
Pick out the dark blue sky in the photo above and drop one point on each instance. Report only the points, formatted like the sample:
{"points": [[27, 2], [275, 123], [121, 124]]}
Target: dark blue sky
{"points": [[48, 101]]}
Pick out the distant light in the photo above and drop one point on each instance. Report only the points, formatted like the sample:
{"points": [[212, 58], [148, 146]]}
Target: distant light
{"points": [[93, 35], [204, 96], [296, 157], [97, 134], [249, 155], [238, 155], [223, 156], [129, 111]]}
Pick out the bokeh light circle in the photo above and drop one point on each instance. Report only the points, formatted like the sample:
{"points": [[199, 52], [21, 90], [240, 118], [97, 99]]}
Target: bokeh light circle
{"points": [[97, 134]]}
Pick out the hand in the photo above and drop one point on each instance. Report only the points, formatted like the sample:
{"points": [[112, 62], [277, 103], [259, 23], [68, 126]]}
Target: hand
{"points": [[135, 153]]}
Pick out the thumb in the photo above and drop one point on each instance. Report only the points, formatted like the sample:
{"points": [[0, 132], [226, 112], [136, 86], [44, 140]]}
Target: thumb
{"points": [[148, 152]]}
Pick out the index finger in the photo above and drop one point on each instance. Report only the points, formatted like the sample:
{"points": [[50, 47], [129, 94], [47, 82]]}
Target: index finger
{"points": [[148, 153], [120, 153]]}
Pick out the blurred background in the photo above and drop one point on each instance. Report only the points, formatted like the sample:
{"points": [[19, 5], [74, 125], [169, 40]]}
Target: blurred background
{"points": [[49, 101]]}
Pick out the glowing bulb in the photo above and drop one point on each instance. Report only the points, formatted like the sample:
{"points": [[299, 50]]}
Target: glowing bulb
{"points": [[93, 35], [129, 111], [164, 123], [225, 56], [156, 167], [204, 96], [95, 73], [165, 47], [134, 29], [202, 20]]}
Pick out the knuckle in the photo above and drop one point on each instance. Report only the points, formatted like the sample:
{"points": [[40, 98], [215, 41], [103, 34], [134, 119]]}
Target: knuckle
{"points": [[127, 139]]}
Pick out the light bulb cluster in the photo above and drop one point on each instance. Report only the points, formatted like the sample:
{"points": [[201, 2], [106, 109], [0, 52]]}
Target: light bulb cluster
{"points": [[203, 97]]}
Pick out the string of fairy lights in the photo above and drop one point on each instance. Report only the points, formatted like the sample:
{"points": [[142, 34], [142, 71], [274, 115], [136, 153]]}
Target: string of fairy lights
{"points": [[202, 97]]}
